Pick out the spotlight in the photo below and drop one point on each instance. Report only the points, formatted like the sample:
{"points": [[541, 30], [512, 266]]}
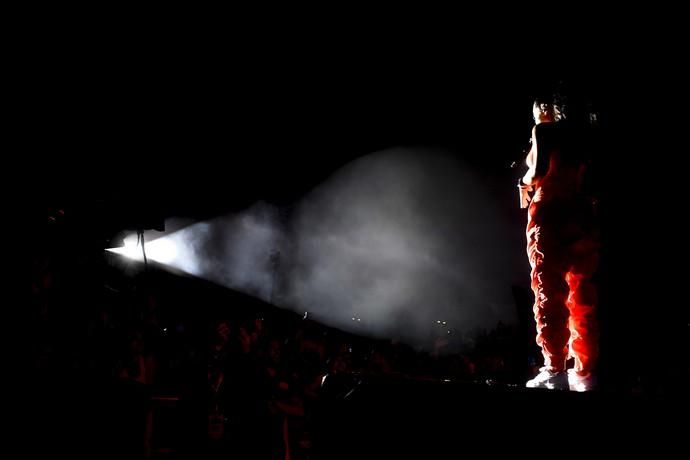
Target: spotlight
{"points": [[162, 250]]}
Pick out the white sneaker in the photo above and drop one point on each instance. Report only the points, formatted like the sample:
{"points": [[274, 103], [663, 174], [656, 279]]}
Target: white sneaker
{"points": [[549, 380], [580, 383]]}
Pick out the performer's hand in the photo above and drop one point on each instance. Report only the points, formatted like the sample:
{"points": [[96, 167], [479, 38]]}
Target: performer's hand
{"points": [[525, 197]]}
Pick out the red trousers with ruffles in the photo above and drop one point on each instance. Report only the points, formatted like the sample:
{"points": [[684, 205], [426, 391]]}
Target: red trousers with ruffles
{"points": [[563, 248]]}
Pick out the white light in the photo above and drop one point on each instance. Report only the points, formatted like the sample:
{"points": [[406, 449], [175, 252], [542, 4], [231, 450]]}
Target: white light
{"points": [[444, 322], [162, 250], [175, 250], [130, 249], [438, 322], [353, 319], [132, 252], [131, 241]]}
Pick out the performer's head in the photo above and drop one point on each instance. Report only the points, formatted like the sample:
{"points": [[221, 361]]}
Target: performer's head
{"points": [[545, 111]]}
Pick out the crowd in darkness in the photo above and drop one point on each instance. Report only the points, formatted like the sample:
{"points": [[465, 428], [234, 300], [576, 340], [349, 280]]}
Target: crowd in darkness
{"points": [[95, 319], [268, 379], [263, 375]]}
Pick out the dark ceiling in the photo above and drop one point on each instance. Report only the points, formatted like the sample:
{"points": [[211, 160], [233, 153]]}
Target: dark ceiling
{"points": [[180, 132]]}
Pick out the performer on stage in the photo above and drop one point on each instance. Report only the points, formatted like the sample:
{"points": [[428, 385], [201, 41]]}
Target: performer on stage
{"points": [[562, 246]]}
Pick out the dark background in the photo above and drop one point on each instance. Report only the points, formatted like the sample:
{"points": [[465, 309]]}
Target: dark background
{"points": [[119, 131], [116, 133]]}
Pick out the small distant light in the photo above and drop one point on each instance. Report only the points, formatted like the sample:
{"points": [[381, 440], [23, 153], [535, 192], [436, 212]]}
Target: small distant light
{"points": [[165, 329], [438, 322], [359, 319], [444, 322], [449, 332], [354, 319]]}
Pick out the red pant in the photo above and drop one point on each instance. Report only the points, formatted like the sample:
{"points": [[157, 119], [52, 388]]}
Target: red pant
{"points": [[562, 245]]}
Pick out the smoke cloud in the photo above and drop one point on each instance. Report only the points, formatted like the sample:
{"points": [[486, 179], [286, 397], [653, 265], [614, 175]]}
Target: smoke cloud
{"points": [[406, 243]]}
